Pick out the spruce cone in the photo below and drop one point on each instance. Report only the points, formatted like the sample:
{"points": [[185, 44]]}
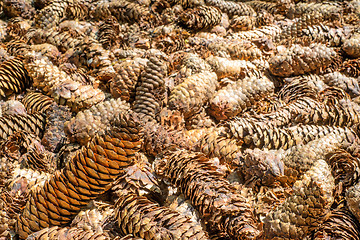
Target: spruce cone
{"points": [[142, 218], [86, 124], [190, 95], [18, 8], [10, 124], [128, 73], [89, 174], [353, 200], [232, 8], [203, 17], [349, 84], [299, 60], [352, 46], [340, 224], [235, 98], [67, 234], [36, 102], [329, 10], [260, 33], [51, 15], [13, 77], [304, 210], [150, 92], [215, 198]]}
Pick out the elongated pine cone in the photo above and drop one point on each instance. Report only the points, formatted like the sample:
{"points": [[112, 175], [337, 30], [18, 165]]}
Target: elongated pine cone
{"points": [[52, 14], [86, 124], [203, 17], [88, 174], [190, 95], [14, 77], [353, 200], [215, 198], [36, 102], [142, 218], [305, 208], [232, 8], [340, 224], [67, 234], [33, 123], [235, 98], [298, 60]]}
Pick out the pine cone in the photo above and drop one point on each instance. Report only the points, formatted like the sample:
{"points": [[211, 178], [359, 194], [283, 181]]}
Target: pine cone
{"points": [[150, 92], [203, 17], [36, 102], [235, 98], [128, 11], [352, 46], [128, 73], [299, 60], [351, 67], [260, 33], [349, 84], [18, 8], [67, 234], [232, 8], [306, 208], [215, 198], [329, 10], [13, 77], [145, 219], [340, 224], [353, 200], [86, 124], [89, 174], [51, 15], [190, 95]]}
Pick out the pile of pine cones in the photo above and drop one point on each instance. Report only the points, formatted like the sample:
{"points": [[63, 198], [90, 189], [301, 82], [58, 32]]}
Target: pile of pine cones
{"points": [[179, 119]]}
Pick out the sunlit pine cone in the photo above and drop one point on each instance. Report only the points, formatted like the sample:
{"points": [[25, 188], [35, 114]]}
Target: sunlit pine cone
{"points": [[67, 234], [305, 208], [215, 198], [145, 219], [352, 46], [36, 102], [232, 8], [203, 17], [89, 174], [52, 14], [18, 8]]}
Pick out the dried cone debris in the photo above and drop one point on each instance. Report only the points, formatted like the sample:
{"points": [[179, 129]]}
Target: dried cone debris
{"points": [[87, 175], [215, 198]]}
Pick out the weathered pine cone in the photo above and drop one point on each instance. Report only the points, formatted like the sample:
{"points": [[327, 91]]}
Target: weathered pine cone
{"points": [[235, 98], [36, 102], [199, 18], [305, 208], [232, 8], [14, 77], [299, 60], [89, 174], [190, 95], [67, 234], [352, 46], [215, 198], [353, 200], [33, 123], [52, 14], [86, 124], [142, 218]]}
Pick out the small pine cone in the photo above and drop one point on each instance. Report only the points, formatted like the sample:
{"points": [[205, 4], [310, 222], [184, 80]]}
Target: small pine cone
{"points": [[352, 46], [215, 198], [51, 15], [351, 68], [192, 64], [190, 95], [299, 60], [150, 92], [108, 32], [128, 72], [300, 158], [243, 51], [86, 124], [128, 11], [33, 123], [54, 136], [77, 10], [243, 23], [88, 175], [18, 8], [345, 168], [232, 8], [353, 200], [192, 137], [145, 219], [203, 17], [67, 234], [305, 208], [340, 224], [13, 77], [224, 67], [237, 97], [36, 102], [349, 84], [214, 144]]}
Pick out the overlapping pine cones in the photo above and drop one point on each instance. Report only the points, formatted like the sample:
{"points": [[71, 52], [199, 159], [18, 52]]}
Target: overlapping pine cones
{"points": [[180, 119]]}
